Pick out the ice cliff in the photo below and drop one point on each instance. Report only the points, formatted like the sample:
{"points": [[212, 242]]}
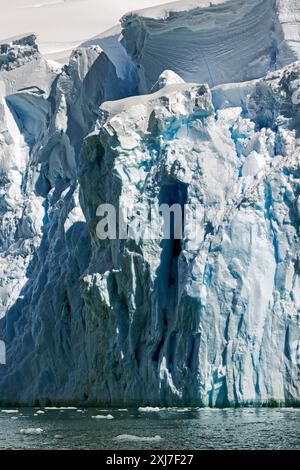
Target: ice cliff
{"points": [[208, 322], [217, 41]]}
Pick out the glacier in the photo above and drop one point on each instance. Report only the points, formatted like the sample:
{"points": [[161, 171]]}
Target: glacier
{"points": [[220, 41], [195, 103]]}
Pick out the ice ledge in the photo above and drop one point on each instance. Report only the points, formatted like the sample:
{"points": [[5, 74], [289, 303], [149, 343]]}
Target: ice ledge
{"points": [[18, 50], [166, 9], [22, 39]]}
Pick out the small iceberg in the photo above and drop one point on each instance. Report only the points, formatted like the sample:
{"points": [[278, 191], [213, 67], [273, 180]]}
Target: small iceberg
{"points": [[9, 411], [31, 431], [149, 409], [129, 437], [103, 417], [180, 410], [49, 408]]}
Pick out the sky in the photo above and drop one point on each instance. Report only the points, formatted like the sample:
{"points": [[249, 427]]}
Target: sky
{"points": [[63, 24]]}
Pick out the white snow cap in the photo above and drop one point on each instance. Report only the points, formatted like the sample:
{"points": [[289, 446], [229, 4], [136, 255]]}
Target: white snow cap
{"points": [[167, 77]]}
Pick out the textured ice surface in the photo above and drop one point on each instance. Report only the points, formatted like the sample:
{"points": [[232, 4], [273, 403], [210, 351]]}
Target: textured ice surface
{"points": [[216, 42], [199, 321], [212, 322]]}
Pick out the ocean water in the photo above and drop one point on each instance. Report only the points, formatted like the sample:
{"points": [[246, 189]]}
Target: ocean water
{"points": [[153, 429]]}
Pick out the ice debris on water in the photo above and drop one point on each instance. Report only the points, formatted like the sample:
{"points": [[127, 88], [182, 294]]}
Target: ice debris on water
{"points": [[132, 438], [31, 431]]}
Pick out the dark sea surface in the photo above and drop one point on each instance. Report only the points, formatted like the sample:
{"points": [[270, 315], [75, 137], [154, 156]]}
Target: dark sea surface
{"points": [[154, 429]]}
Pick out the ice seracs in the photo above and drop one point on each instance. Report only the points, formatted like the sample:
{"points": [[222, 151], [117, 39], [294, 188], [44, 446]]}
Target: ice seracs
{"points": [[205, 336], [22, 66], [22, 128], [41, 132], [211, 320], [17, 51]]}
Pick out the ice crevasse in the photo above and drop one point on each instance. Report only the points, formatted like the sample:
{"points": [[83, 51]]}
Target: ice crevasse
{"points": [[211, 322]]}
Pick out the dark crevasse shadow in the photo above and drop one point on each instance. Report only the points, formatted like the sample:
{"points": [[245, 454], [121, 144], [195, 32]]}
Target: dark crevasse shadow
{"points": [[167, 274]]}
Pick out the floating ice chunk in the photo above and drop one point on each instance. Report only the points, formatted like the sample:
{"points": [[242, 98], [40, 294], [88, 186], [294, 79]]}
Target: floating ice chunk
{"points": [[129, 437], [103, 417], [31, 431], [40, 412], [180, 410], [9, 411], [149, 409], [53, 408], [58, 436]]}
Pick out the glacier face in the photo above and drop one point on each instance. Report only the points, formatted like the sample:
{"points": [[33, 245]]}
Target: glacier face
{"points": [[217, 323], [211, 322]]}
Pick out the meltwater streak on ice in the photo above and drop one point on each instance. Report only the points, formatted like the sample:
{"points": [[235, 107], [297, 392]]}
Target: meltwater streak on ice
{"points": [[173, 429], [2, 353]]}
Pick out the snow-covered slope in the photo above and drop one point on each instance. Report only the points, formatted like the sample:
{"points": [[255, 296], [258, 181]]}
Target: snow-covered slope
{"points": [[216, 42], [209, 321], [61, 25], [22, 66]]}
